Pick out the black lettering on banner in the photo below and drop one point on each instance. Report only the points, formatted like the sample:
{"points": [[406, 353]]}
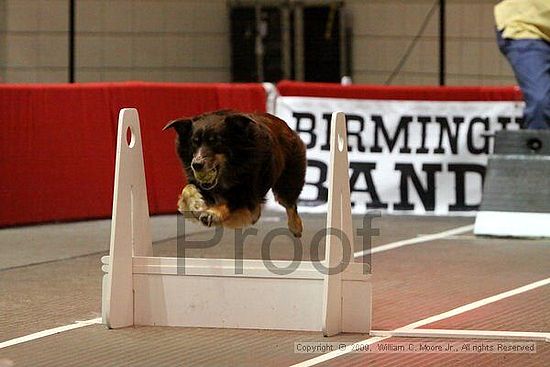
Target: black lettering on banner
{"points": [[423, 120], [427, 194], [519, 121], [300, 116], [391, 141], [327, 117], [452, 138], [460, 171], [470, 139], [322, 191], [366, 169], [350, 119], [504, 121]]}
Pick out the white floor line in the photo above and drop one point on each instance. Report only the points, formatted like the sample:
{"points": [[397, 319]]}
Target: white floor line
{"points": [[477, 304], [465, 334], [415, 240], [429, 320], [49, 332]]}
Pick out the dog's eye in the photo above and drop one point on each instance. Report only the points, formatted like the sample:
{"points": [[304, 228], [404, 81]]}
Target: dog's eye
{"points": [[212, 140], [196, 140]]}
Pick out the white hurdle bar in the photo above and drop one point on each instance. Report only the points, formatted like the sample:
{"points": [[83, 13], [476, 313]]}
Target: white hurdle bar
{"points": [[139, 289]]}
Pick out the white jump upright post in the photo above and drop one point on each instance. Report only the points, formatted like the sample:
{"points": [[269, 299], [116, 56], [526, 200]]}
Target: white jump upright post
{"points": [[339, 313], [130, 229], [140, 289]]}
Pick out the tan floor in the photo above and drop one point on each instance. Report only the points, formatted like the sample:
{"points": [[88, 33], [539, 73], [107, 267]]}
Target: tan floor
{"points": [[50, 276]]}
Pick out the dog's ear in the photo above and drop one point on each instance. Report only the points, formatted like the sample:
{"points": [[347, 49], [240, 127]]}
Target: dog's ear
{"points": [[239, 121], [182, 126]]}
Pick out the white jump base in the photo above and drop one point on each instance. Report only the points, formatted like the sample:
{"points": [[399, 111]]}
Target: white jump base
{"points": [[139, 289], [211, 295], [512, 224]]}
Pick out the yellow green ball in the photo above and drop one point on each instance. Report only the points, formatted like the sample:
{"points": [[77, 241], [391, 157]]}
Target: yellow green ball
{"points": [[206, 177]]}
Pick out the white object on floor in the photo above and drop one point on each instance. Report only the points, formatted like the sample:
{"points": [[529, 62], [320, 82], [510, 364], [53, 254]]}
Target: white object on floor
{"points": [[512, 224]]}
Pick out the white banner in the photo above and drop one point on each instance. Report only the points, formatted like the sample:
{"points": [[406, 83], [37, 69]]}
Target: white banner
{"points": [[420, 157]]}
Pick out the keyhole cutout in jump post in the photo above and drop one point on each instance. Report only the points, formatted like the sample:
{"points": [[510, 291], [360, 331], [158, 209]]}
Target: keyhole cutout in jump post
{"points": [[130, 137], [340, 143]]}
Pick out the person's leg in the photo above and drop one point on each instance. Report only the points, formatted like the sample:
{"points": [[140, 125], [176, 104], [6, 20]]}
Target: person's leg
{"points": [[530, 60]]}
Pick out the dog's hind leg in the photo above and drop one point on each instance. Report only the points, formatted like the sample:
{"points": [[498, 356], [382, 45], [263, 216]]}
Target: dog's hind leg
{"points": [[286, 193], [289, 185], [294, 221]]}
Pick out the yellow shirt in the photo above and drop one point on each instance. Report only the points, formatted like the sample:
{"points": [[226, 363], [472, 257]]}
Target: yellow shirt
{"points": [[523, 18]]}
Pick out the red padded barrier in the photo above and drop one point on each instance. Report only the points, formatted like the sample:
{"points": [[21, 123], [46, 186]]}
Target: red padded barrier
{"points": [[57, 143], [411, 93]]}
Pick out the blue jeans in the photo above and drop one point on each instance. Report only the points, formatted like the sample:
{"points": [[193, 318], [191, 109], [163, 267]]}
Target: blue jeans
{"points": [[530, 60]]}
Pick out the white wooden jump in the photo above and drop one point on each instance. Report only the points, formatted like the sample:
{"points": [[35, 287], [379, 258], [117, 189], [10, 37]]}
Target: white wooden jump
{"points": [[139, 289]]}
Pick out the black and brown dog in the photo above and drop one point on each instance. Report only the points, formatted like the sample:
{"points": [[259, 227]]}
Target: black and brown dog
{"points": [[232, 159]]}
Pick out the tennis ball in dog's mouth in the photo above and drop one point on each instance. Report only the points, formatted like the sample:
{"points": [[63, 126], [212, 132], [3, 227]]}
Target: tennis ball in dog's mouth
{"points": [[206, 177]]}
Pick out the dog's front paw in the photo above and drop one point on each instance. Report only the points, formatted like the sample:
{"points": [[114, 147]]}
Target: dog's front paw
{"points": [[191, 200], [209, 218]]}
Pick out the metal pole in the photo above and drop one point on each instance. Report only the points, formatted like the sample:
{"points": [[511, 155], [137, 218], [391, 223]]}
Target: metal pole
{"points": [[343, 42], [259, 47], [286, 60], [72, 16], [441, 42], [299, 42]]}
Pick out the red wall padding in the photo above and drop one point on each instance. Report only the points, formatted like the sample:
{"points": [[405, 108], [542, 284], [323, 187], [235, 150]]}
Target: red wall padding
{"points": [[57, 143], [420, 93]]}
